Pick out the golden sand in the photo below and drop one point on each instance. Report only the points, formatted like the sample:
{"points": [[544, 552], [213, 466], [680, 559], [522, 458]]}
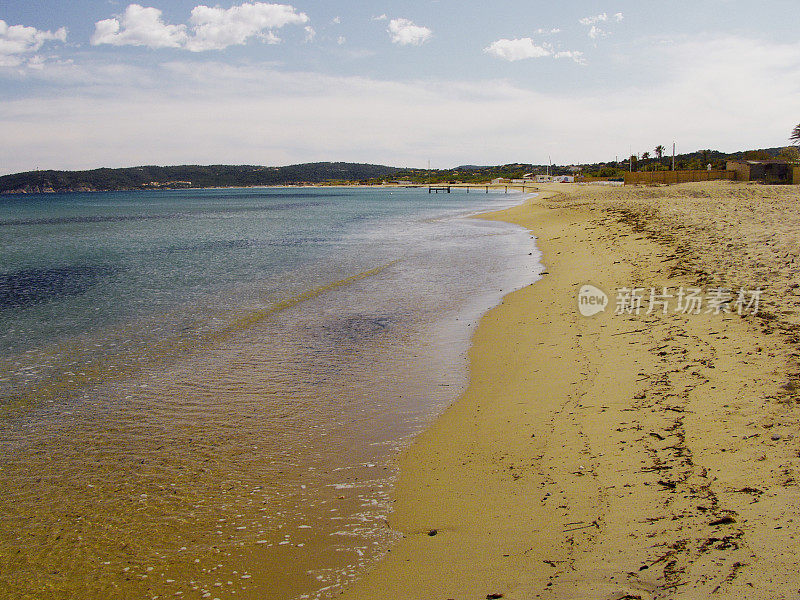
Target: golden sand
{"points": [[619, 456]]}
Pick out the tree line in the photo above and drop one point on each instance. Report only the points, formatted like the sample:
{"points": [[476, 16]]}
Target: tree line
{"points": [[332, 173], [153, 177]]}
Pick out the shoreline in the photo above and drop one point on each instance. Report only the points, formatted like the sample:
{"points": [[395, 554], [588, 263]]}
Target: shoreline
{"points": [[618, 456]]}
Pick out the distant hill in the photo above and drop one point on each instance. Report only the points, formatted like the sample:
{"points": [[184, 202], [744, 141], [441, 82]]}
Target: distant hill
{"points": [[153, 177], [196, 176]]}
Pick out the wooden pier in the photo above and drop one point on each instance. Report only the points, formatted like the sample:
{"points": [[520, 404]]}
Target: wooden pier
{"points": [[435, 189]]}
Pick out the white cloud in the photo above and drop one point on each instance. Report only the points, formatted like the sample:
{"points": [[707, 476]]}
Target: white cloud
{"points": [[139, 26], [310, 33], [35, 62], [405, 33], [522, 48], [595, 32], [574, 55], [601, 18], [211, 28], [336, 20], [217, 28], [18, 43], [341, 40], [517, 49], [553, 31], [382, 17]]}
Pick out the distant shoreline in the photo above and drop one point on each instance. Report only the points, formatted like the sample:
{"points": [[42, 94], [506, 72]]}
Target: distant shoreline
{"points": [[147, 177]]}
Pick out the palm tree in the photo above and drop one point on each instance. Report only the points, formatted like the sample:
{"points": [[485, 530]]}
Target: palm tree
{"points": [[795, 137], [645, 158], [659, 152]]}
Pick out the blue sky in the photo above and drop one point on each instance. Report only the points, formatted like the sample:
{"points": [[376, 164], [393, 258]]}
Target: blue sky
{"points": [[85, 84]]}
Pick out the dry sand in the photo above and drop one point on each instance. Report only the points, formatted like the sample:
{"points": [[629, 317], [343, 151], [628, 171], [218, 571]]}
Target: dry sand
{"points": [[636, 456]]}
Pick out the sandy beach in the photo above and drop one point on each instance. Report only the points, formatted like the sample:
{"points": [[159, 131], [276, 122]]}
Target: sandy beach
{"points": [[619, 455]]}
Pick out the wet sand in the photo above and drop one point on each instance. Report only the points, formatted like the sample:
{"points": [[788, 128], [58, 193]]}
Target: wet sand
{"points": [[619, 456]]}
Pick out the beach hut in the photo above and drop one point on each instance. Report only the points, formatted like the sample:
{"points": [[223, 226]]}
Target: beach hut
{"points": [[765, 171]]}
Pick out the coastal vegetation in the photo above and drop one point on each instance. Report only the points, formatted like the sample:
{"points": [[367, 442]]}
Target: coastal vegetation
{"points": [[341, 173], [183, 176]]}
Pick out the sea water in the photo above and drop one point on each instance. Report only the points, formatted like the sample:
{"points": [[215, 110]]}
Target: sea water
{"points": [[203, 391]]}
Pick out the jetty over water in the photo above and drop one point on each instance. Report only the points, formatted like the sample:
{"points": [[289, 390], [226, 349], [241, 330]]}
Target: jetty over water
{"points": [[435, 189]]}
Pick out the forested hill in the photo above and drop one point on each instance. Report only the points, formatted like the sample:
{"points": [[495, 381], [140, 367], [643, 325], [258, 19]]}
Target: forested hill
{"points": [[151, 177]]}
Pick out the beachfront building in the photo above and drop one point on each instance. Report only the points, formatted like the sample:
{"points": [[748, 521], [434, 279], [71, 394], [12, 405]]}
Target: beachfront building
{"points": [[527, 178], [765, 171]]}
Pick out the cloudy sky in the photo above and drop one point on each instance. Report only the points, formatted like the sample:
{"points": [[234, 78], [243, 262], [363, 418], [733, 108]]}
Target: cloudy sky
{"points": [[91, 83]]}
